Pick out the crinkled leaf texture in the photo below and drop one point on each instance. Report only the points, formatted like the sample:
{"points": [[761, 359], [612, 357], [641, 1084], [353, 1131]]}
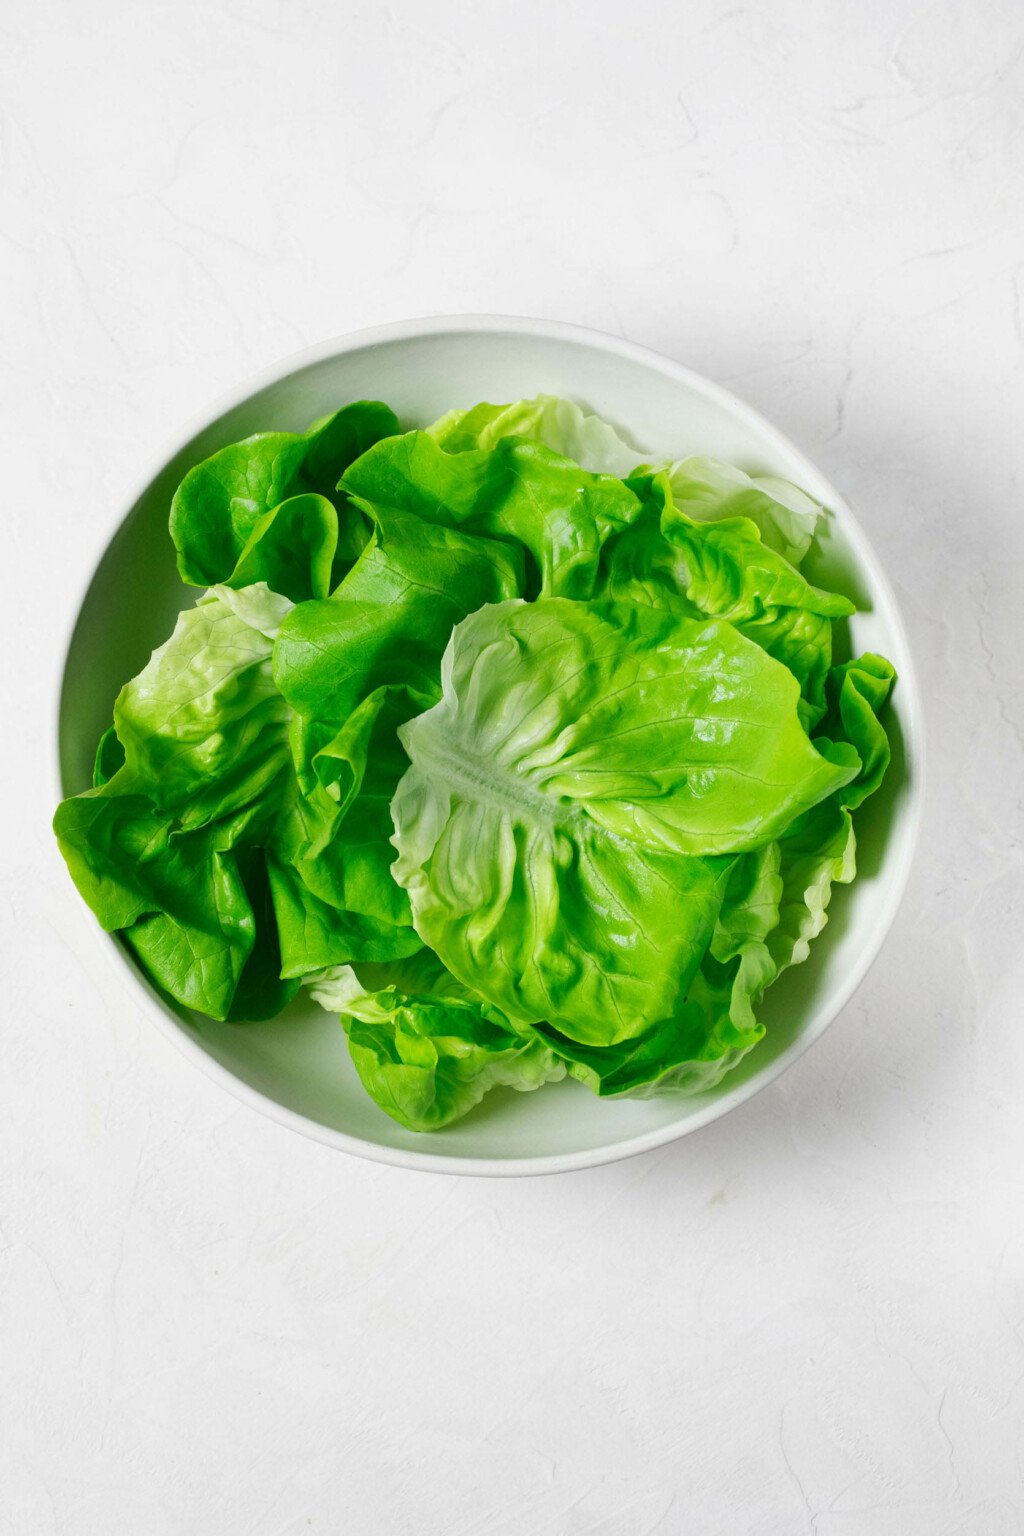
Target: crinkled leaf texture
{"points": [[331, 875], [523, 750], [425, 1047], [565, 827], [714, 1026], [354, 667], [705, 488], [725, 570], [553, 515], [169, 848], [261, 509], [819, 849], [390, 618], [558, 424]]}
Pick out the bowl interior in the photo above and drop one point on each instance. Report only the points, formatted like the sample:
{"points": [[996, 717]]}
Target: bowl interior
{"points": [[298, 1064]]}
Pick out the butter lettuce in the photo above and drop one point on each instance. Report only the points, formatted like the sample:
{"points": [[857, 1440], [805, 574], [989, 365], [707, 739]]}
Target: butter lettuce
{"points": [[227, 519], [558, 424], [714, 1025], [389, 619], [336, 827], [728, 569], [562, 828], [169, 848], [819, 849], [708, 491], [426, 1048], [550, 512], [523, 749], [705, 488]]}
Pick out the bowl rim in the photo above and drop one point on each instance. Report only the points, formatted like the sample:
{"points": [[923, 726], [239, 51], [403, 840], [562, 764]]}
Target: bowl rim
{"points": [[176, 1031]]}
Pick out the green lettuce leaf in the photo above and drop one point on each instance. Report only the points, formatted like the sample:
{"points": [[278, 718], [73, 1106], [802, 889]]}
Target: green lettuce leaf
{"points": [[109, 758], [202, 727], [292, 548], [732, 574], [389, 620], [709, 491], [639, 565], [553, 827], [802, 641], [190, 903], [725, 570], [558, 424], [336, 825], [518, 492], [819, 848], [818, 851], [222, 504], [715, 1027], [316, 935], [426, 1049], [857, 691], [167, 849]]}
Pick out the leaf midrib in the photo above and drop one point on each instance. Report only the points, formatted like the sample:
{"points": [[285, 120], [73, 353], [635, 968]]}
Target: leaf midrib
{"points": [[485, 781]]}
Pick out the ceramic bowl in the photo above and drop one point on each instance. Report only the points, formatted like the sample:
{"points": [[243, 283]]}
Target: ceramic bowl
{"points": [[296, 1068]]}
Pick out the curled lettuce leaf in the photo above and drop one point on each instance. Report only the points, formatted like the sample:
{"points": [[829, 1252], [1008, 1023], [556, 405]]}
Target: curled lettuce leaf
{"points": [[558, 424], [819, 849], [731, 573], [189, 903], [558, 829], [715, 1025], [109, 758], [519, 492], [726, 570], [390, 618], [292, 548], [168, 848], [707, 490], [315, 935], [335, 828], [227, 519], [426, 1049], [202, 726]]}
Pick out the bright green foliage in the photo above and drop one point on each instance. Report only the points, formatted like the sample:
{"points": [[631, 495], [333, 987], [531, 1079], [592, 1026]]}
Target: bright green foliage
{"points": [[526, 755]]}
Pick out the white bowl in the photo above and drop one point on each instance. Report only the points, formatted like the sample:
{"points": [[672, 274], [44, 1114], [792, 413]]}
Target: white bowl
{"points": [[296, 1069]]}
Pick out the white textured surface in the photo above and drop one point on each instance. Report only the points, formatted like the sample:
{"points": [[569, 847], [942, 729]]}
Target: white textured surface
{"points": [[809, 1318]]}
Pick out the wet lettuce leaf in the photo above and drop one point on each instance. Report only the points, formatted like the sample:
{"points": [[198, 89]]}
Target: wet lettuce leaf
{"points": [[315, 935], [705, 488]]}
